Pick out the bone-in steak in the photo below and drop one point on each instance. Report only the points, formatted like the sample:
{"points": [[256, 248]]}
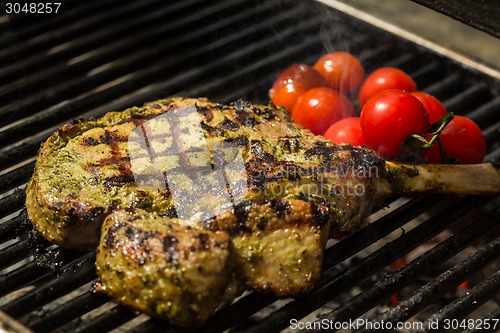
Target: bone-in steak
{"points": [[199, 201]]}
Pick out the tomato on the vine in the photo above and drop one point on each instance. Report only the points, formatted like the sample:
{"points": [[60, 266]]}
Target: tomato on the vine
{"points": [[389, 117], [383, 79], [462, 140], [435, 109], [293, 82], [318, 108], [347, 130], [342, 71]]}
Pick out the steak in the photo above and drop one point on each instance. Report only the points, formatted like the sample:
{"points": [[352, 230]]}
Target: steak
{"points": [[199, 201], [180, 156]]}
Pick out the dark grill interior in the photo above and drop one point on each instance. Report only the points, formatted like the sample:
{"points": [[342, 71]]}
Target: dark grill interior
{"points": [[97, 56]]}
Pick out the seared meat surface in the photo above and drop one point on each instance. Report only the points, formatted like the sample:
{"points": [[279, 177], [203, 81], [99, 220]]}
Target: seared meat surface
{"points": [[199, 201], [165, 269], [183, 270], [180, 156]]}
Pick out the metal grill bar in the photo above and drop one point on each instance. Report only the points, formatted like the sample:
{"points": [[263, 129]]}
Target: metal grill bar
{"points": [[477, 296], [494, 155], [443, 283], [468, 99], [37, 32], [27, 273], [485, 114], [9, 228], [102, 323], [382, 227], [492, 134], [445, 87], [14, 199], [492, 317], [46, 263], [63, 314], [221, 321], [15, 177], [409, 273], [79, 272], [14, 252]]}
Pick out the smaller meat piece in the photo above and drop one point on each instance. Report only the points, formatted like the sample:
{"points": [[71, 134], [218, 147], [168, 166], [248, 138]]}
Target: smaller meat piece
{"points": [[184, 270]]}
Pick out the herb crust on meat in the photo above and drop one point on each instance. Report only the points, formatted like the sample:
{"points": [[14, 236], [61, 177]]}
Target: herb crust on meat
{"points": [[85, 170], [190, 202]]}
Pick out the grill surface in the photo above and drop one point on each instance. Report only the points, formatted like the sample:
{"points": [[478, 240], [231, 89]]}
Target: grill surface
{"points": [[97, 56]]}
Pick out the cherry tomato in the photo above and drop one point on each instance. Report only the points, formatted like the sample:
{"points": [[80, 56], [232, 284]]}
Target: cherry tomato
{"points": [[389, 117], [347, 130], [293, 82], [342, 71], [435, 109], [318, 108], [383, 79], [461, 139]]}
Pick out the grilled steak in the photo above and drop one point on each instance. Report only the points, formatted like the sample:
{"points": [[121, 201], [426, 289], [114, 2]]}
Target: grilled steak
{"points": [[182, 156], [202, 200]]}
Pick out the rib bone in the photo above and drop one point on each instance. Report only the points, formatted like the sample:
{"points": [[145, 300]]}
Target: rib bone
{"points": [[440, 178]]}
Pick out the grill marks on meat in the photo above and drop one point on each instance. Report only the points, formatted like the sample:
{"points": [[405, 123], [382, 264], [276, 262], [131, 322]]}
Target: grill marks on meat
{"points": [[164, 269], [116, 160], [190, 190], [189, 268]]}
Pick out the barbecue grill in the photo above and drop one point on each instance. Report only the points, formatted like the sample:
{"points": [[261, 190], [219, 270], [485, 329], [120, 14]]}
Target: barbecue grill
{"points": [[97, 56]]}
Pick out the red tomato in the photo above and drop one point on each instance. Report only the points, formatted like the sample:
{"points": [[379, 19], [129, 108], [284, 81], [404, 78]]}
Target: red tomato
{"points": [[435, 109], [389, 117], [293, 82], [347, 130], [318, 108], [383, 79], [342, 71], [461, 139]]}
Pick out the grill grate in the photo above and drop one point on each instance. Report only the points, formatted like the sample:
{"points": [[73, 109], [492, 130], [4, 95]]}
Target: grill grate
{"points": [[97, 56]]}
